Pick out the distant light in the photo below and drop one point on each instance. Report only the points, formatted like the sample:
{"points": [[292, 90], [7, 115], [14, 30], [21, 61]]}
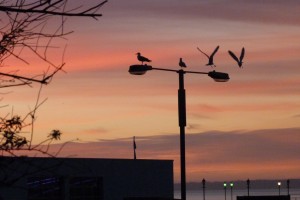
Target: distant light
{"points": [[231, 184], [225, 184], [279, 183]]}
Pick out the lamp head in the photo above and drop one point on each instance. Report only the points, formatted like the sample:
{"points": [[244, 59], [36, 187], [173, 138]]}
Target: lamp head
{"points": [[219, 76], [139, 69]]}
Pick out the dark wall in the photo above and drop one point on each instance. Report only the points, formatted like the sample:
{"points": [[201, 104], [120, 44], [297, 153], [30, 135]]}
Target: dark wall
{"points": [[121, 177], [275, 197]]}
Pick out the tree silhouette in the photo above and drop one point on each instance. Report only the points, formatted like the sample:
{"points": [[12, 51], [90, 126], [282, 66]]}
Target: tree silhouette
{"points": [[32, 26], [29, 29]]}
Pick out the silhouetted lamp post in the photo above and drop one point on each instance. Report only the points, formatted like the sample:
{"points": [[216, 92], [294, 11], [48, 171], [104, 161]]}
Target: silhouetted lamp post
{"points": [[225, 187], [279, 184], [288, 186], [231, 188], [248, 186], [203, 187], [217, 76]]}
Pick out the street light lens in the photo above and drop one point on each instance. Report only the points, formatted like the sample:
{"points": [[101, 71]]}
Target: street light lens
{"points": [[139, 69], [279, 183], [225, 184], [219, 76]]}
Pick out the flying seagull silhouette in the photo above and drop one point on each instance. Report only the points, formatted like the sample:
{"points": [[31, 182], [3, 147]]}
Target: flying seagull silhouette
{"points": [[181, 63], [239, 61], [211, 57], [142, 58]]}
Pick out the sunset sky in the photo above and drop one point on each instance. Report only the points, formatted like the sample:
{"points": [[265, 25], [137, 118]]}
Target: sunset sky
{"points": [[245, 128]]}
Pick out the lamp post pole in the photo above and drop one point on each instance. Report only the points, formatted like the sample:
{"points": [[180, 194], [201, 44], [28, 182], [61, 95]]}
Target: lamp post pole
{"points": [[182, 124], [217, 76], [203, 187], [248, 186], [279, 184], [225, 187], [231, 189], [288, 186]]}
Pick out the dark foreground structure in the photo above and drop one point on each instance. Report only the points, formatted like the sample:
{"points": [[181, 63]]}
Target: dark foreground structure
{"points": [[273, 197], [84, 179]]}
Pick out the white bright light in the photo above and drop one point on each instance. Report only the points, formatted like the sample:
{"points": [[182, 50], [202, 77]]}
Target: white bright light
{"points": [[279, 183]]}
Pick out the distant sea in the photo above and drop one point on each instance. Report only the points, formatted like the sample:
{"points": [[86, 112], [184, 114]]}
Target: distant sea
{"points": [[220, 194]]}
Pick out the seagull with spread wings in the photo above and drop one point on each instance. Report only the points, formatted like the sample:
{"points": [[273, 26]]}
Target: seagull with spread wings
{"points": [[239, 61], [181, 63], [142, 58], [211, 57]]}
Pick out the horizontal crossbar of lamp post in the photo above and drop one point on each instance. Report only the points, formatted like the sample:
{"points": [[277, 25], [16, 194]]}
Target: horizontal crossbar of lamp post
{"points": [[142, 69]]}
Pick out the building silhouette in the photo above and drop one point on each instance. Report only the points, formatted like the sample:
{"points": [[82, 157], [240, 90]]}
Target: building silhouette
{"points": [[85, 178]]}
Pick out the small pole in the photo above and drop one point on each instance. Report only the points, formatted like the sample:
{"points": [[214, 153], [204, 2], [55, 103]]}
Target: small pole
{"points": [[231, 188], [203, 187], [288, 186], [279, 184], [225, 186], [134, 148], [248, 186]]}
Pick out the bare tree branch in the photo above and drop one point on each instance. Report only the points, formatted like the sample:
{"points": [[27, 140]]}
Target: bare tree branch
{"points": [[23, 78], [82, 14], [90, 12], [26, 28]]}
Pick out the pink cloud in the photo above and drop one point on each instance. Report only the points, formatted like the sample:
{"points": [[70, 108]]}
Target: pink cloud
{"points": [[210, 153]]}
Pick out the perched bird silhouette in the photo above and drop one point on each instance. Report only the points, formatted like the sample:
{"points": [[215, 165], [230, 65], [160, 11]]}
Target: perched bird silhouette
{"points": [[142, 58], [211, 57], [181, 63], [239, 61]]}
